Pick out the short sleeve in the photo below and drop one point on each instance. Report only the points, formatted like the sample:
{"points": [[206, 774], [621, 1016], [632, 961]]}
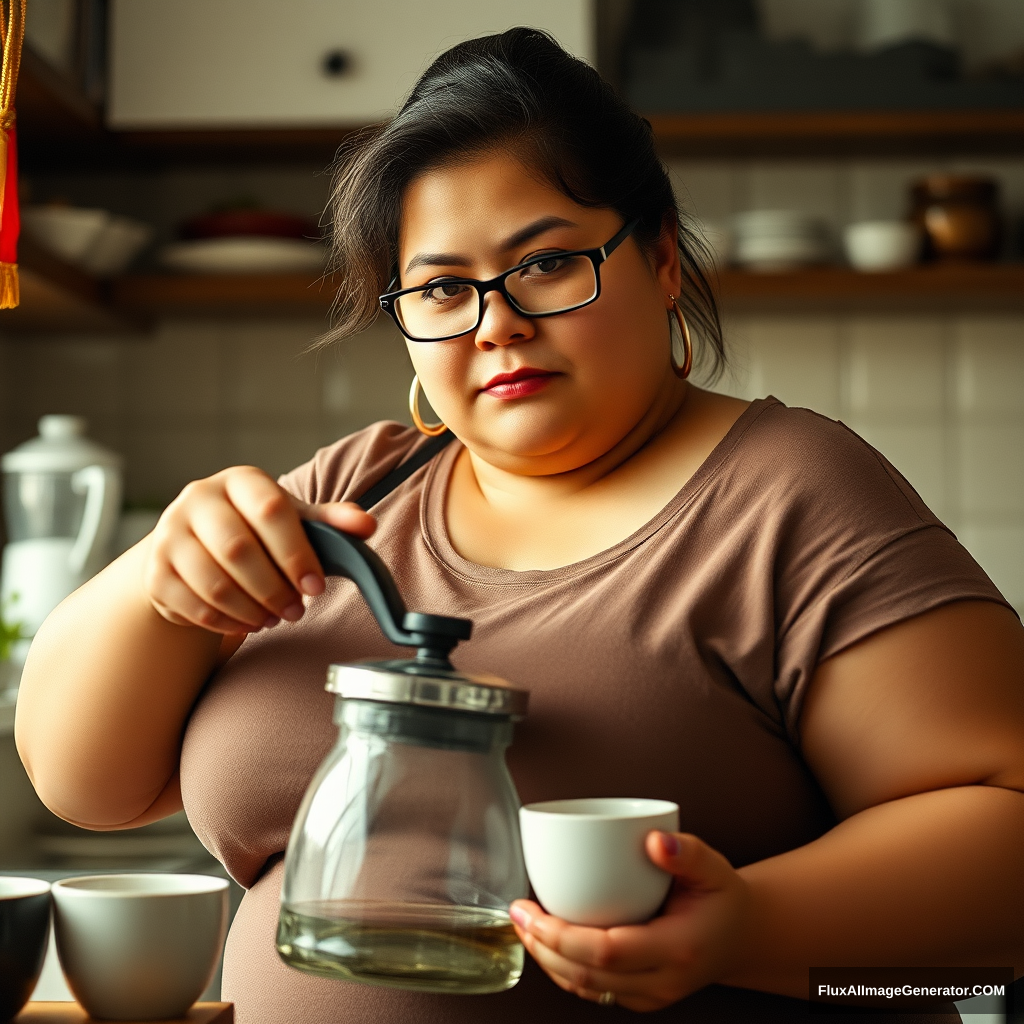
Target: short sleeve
{"points": [[849, 546], [915, 573]]}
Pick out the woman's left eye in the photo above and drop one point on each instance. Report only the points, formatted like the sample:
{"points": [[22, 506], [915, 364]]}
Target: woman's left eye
{"points": [[547, 265]]}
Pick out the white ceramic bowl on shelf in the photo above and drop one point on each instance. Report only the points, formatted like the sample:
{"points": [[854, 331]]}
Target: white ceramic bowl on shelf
{"points": [[67, 231], [880, 245], [95, 240]]}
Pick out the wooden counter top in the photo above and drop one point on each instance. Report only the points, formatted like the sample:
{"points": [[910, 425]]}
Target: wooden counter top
{"points": [[72, 1013]]}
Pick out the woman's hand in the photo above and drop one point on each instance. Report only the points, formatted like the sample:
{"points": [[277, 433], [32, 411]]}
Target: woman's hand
{"points": [[229, 553], [649, 966]]}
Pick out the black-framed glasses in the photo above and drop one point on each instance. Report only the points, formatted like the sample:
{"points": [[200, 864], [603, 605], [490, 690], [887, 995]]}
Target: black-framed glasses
{"points": [[449, 307]]}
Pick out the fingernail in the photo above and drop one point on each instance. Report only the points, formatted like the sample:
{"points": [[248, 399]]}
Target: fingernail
{"points": [[311, 585], [520, 916], [669, 843], [271, 622], [293, 612]]}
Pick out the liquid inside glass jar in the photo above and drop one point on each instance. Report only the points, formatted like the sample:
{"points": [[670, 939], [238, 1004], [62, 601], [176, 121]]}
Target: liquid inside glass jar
{"points": [[423, 947]]}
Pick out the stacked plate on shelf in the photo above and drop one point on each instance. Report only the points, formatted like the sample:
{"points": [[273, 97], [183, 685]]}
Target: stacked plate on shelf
{"points": [[777, 240], [245, 242]]}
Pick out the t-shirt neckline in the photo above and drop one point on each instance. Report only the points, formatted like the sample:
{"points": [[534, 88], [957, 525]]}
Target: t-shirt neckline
{"points": [[435, 529]]}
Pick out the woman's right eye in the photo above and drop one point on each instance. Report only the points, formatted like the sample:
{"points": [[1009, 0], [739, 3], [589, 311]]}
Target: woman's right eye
{"points": [[440, 290]]}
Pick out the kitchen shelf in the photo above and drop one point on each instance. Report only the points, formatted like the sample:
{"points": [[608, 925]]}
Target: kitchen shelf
{"points": [[938, 286], [935, 286], [840, 133]]}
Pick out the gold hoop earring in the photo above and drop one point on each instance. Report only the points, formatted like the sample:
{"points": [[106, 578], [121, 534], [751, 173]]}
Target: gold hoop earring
{"points": [[682, 372], [430, 429]]}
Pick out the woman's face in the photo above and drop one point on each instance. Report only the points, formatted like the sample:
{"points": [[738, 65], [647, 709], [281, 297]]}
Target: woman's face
{"points": [[598, 370]]}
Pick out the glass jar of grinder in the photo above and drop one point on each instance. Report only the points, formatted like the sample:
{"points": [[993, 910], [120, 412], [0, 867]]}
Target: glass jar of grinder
{"points": [[405, 853]]}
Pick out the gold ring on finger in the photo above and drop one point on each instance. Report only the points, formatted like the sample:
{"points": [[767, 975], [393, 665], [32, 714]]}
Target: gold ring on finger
{"points": [[606, 998]]}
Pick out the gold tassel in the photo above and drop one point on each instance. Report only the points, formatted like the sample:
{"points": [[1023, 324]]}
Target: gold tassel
{"points": [[12, 28], [10, 293]]}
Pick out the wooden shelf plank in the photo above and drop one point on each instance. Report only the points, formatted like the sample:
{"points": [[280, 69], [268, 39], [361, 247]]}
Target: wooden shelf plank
{"points": [[936, 286], [939, 286], [838, 132], [56, 296]]}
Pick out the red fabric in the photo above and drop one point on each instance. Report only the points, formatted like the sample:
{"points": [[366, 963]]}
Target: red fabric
{"points": [[10, 223]]}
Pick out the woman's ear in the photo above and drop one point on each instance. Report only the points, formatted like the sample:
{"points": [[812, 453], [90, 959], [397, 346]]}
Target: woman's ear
{"points": [[666, 257]]}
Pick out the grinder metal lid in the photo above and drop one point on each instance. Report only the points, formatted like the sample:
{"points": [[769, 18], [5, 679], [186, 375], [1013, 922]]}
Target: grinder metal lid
{"points": [[408, 681]]}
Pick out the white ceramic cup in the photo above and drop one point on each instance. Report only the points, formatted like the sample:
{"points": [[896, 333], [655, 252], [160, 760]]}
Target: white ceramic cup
{"points": [[586, 858], [139, 947], [879, 245]]}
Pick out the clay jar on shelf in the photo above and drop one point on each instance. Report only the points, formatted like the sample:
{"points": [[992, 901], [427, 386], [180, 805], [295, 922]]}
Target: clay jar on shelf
{"points": [[958, 215]]}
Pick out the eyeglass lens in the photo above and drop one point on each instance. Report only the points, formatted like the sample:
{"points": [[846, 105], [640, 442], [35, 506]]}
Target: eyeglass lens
{"points": [[551, 285]]}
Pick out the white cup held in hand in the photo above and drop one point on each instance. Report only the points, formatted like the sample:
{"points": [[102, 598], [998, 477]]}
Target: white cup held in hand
{"points": [[140, 946], [586, 858]]}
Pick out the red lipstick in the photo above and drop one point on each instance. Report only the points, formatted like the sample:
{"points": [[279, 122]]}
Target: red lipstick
{"points": [[527, 380]]}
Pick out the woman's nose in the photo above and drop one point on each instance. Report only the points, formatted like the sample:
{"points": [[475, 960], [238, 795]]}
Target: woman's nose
{"points": [[501, 324]]}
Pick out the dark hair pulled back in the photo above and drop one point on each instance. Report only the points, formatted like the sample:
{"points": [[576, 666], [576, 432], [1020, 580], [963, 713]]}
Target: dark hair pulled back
{"points": [[521, 92]]}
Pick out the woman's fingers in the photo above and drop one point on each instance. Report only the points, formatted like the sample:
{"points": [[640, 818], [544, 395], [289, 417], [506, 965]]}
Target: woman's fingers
{"points": [[230, 553], [700, 867], [209, 581], [626, 949], [236, 549], [641, 990], [345, 515], [178, 603], [271, 514]]}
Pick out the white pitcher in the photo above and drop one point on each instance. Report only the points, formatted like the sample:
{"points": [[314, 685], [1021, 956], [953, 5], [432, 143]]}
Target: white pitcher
{"points": [[62, 498]]}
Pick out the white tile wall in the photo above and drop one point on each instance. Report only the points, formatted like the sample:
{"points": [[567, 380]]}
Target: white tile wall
{"points": [[814, 187], [989, 371], [196, 396], [992, 478], [796, 359], [1000, 549], [895, 367]]}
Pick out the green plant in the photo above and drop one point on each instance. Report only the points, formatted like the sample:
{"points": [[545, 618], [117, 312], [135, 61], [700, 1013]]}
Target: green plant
{"points": [[10, 632]]}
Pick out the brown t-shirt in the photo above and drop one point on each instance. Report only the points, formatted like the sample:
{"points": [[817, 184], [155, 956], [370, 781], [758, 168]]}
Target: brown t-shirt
{"points": [[672, 665]]}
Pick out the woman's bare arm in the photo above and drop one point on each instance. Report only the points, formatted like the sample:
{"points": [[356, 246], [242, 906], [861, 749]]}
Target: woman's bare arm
{"points": [[105, 694], [114, 671], [916, 735]]}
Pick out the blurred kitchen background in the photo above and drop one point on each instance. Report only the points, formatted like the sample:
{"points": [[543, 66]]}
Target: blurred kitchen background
{"points": [[857, 167]]}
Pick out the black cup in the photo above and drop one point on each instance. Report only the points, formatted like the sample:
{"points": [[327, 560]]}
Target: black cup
{"points": [[24, 934]]}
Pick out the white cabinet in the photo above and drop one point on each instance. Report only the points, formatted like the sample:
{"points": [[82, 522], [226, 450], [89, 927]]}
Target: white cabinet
{"points": [[261, 63]]}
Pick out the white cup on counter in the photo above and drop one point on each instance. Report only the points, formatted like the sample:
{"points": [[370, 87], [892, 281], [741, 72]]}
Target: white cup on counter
{"points": [[879, 245], [139, 947], [587, 860]]}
